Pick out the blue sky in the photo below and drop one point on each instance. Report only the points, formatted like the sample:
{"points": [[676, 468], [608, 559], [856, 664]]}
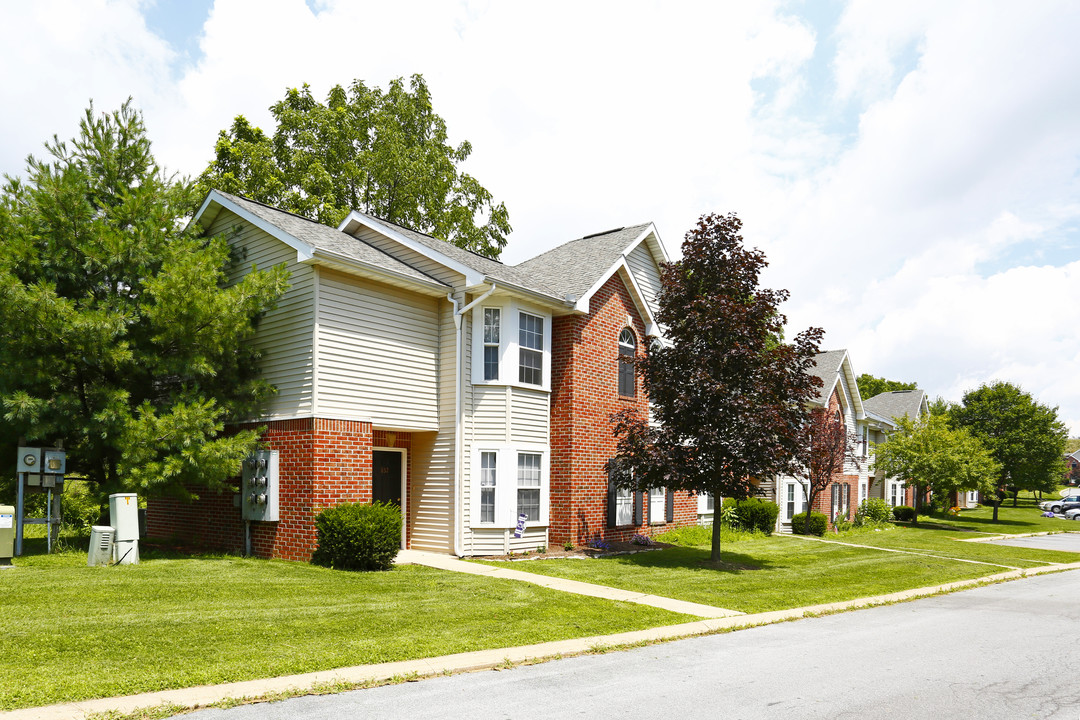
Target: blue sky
{"points": [[911, 170]]}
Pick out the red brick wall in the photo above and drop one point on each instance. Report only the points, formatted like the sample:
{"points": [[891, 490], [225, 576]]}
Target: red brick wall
{"points": [[321, 462], [584, 394]]}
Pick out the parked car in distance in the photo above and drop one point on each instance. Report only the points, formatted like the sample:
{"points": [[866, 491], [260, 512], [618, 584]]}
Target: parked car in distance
{"points": [[1060, 505], [1073, 514]]}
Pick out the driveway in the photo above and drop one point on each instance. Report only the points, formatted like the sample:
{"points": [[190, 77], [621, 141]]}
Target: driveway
{"points": [[992, 652], [1068, 541]]}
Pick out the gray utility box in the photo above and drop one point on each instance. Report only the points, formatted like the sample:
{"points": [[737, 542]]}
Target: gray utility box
{"points": [[7, 534], [259, 486], [29, 460]]}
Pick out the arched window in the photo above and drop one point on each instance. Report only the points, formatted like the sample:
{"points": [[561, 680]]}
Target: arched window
{"points": [[627, 344]]}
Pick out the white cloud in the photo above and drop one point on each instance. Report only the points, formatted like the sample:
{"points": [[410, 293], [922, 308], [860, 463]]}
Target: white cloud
{"points": [[921, 234]]}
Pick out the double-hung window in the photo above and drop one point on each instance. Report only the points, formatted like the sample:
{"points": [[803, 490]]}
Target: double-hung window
{"points": [[488, 474], [627, 344], [528, 486], [530, 349], [492, 321]]}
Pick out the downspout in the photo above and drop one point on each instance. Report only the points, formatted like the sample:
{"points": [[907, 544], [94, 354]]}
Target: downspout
{"points": [[458, 439]]}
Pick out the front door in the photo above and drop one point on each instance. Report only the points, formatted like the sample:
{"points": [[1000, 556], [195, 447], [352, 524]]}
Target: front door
{"points": [[386, 477]]}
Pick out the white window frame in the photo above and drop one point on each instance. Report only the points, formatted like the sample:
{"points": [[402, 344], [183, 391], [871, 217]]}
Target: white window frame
{"points": [[657, 496], [626, 349], [506, 484], [488, 472], [509, 349], [497, 314], [530, 349]]}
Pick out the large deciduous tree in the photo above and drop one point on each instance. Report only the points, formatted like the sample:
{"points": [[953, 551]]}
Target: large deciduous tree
{"points": [[869, 385], [928, 453], [385, 153], [828, 449], [1024, 436], [118, 336], [730, 396]]}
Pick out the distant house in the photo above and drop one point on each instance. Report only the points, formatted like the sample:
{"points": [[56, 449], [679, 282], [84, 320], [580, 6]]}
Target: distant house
{"points": [[838, 394], [882, 411], [1072, 463], [473, 394]]}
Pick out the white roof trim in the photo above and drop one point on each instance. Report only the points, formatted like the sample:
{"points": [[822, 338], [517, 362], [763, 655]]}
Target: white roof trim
{"points": [[651, 326], [472, 277], [656, 246], [382, 273], [304, 252]]}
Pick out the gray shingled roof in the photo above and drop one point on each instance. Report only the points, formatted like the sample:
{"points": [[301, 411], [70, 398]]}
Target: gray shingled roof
{"points": [[827, 367], [491, 269], [896, 404], [574, 267], [321, 237]]}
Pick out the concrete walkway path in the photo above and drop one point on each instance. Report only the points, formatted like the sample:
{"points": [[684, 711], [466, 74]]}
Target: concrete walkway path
{"points": [[452, 564], [345, 678]]}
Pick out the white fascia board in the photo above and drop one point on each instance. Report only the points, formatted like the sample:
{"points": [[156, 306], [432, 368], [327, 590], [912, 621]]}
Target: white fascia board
{"points": [[582, 304], [849, 374], [472, 277], [304, 252], [880, 421], [538, 298], [651, 238], [431, 287]]}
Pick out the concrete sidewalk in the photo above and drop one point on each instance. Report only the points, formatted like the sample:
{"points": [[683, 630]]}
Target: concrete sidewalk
{"points": [[190, 698], [452, 564]]}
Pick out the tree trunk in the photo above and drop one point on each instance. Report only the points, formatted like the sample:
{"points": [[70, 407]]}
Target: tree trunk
{"points": [[996, 503], [915, 501], [714, 556]]}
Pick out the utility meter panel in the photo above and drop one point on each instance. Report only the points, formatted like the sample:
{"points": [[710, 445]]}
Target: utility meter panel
{"points": [[55, 462], [259, 486], [29, 460]]}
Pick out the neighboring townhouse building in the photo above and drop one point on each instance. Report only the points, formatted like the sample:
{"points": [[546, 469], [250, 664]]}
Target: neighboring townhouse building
{"points": [[1072, 465], [885, 408], [467, 391], [839, 394]]}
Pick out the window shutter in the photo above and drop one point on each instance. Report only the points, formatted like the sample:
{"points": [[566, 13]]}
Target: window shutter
{"points": [[637, 507], [611, 501], [669, 506]]}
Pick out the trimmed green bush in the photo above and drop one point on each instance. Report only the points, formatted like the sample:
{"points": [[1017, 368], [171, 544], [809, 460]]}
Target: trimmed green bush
{"points": [[358, 536], [904, 513], [818, 524], [873, 511], [758, 514]]}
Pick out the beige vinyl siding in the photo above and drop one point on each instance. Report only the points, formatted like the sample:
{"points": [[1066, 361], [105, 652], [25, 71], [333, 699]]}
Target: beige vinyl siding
{"points": [[499, 541], [284, 335], [432, 502], [378, 353], [419, 261], [529, 416], [646, 273]]}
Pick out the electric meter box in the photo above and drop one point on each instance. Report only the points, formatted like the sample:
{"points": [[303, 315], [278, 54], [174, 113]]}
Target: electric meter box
{"points": [[55, 462], [29, 460], [124, 515], [7, 534], [259, 486]]}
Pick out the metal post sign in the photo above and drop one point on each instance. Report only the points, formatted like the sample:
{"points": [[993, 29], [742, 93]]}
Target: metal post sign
{"points": [[519, 531]]}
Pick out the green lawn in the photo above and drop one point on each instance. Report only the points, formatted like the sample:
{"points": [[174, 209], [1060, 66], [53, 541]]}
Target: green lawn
{"points": [[791, 573], [69, 632], [794, 572]]}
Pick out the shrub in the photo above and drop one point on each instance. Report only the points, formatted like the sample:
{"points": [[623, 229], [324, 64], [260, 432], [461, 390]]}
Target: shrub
{"points": [[688, 536], [358, 536], [729, 516], [904, 513], [758, 514], [873, 511], [818, 524]]}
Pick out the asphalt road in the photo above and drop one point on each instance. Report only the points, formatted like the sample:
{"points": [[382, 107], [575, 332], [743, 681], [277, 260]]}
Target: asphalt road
{"points": [[1006, 651]]}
